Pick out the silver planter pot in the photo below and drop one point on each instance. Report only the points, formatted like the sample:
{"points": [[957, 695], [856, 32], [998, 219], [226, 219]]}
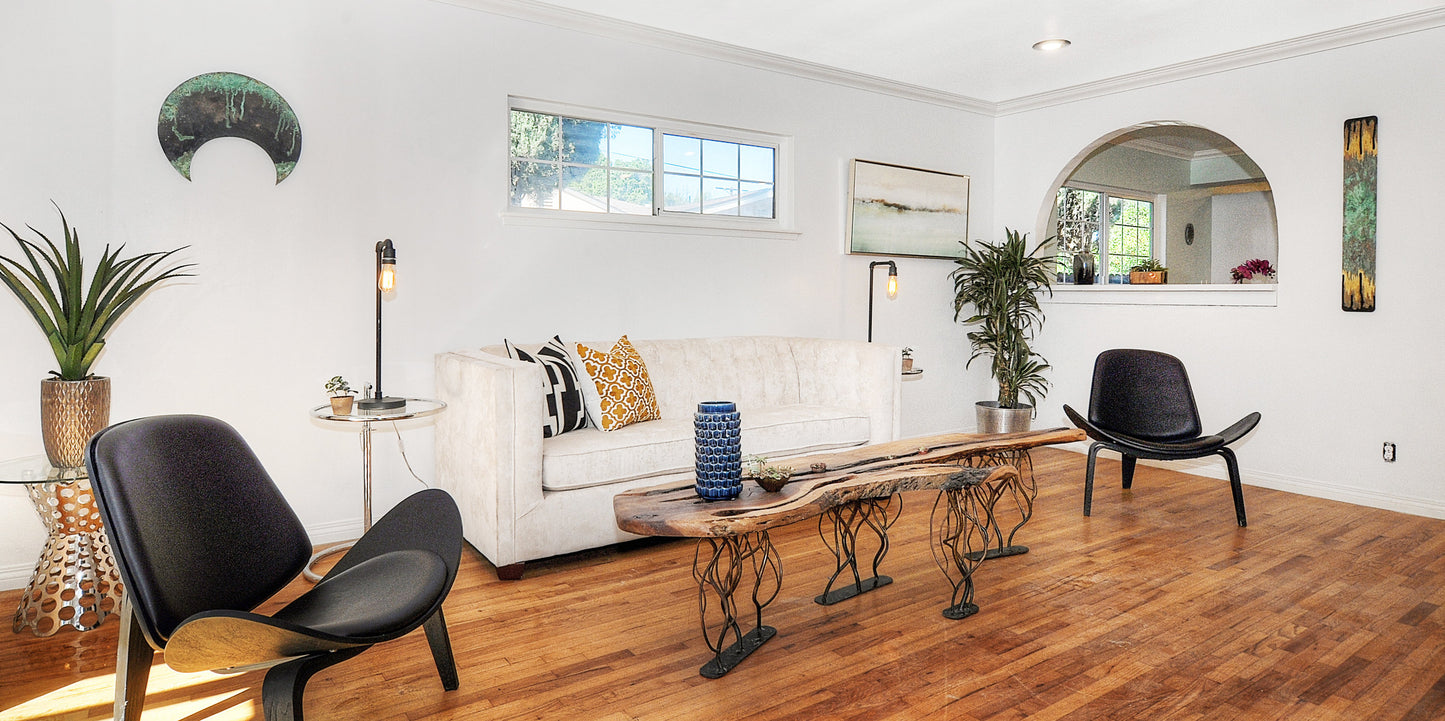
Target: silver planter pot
{"points": [[993, 419]]}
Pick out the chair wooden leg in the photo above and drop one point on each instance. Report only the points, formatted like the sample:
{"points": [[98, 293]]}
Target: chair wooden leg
{"points": [[511, 571], [284, 684], [1233, 464], [441, 650], [1129, 462], [133, 656], [1089, 479]]}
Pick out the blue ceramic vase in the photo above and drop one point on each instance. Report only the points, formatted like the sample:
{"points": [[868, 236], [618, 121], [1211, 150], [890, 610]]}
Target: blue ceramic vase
{"points": [[719, 450]]}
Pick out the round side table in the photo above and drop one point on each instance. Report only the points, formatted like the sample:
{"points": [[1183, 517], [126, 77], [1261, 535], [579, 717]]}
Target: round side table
{"points": [[414, 408], [75, 583]]}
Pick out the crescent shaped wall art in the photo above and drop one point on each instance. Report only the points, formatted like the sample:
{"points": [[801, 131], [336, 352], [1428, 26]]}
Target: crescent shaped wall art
{"points": [[228, 105]]}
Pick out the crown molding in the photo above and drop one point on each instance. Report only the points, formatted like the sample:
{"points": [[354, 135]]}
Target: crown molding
{"points": [[592, 24], [589, 23], [1258, 55]]}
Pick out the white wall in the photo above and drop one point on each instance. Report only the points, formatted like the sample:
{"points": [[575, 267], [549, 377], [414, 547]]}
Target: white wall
{"points": [[1241, 229], [1332, 386], [403, 109]]}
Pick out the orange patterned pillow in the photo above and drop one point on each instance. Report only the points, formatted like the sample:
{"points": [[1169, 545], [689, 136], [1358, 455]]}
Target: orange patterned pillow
{"points": [[623, 384]]}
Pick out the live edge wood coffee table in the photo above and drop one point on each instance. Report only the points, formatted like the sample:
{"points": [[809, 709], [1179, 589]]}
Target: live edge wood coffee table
{"points": [[848, 491]]}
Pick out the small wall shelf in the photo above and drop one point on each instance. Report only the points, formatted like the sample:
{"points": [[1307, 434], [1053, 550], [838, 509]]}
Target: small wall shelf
{"points": [[1231, 294]]}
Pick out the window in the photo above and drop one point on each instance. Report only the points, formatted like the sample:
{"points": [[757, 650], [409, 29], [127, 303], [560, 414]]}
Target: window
{"points": [[571, 164], [680, 173], [715, 177], [1085, 216]]}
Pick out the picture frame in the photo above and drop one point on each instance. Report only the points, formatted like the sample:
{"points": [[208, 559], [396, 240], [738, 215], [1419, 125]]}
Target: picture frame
{"points": [[898, 210]]}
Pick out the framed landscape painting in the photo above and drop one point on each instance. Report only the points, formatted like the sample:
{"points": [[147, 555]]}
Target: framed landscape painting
{"points": [[896, 210]]}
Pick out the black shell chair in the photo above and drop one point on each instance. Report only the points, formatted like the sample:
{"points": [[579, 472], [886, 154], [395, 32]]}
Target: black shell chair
{"points": [[201, 536], [1141, 406]]}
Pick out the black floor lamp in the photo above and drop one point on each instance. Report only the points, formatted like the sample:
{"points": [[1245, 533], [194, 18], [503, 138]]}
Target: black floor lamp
{"points": [[892, 289], [385, 281]]}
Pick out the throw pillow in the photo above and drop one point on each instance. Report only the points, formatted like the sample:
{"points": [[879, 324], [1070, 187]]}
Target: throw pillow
{"points": [[622, 383], [590, 399], [560, 388]]}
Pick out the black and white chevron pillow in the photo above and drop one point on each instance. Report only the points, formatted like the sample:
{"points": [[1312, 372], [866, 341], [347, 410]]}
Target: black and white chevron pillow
{"points": [[565, 411]]}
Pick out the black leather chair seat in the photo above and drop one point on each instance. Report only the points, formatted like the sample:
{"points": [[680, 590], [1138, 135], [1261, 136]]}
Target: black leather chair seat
{"points": [[369, 602]]}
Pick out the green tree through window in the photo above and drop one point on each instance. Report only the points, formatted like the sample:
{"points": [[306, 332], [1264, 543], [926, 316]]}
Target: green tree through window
{"points": [[1086, 216]]}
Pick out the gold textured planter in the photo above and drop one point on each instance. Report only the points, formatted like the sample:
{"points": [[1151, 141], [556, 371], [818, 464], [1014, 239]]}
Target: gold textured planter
{"points": [[70, 413]]}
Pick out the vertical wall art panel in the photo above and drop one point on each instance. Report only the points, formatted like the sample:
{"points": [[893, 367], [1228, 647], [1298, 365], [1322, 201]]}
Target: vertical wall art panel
{"points": [[1357, 289]]}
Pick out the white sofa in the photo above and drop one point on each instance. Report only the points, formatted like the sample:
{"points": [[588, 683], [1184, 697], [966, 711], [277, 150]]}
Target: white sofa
{"points": [[523, 497]]}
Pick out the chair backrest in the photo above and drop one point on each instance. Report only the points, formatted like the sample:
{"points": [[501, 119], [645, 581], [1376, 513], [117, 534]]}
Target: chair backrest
{"points": [[1145, 394], [194, 521]]}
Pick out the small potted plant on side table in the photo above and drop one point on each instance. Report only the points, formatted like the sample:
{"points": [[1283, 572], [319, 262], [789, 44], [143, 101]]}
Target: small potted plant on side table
{"points": [[341, 395], [907, 359], [1150, 272]]}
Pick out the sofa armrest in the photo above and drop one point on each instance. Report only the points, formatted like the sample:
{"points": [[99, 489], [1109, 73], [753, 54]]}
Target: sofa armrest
{"points": [[856, 374], [489, 445]]}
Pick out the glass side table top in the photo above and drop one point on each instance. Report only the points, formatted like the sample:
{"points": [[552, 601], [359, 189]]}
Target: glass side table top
{"points": [[37, 469], [414, 408]]}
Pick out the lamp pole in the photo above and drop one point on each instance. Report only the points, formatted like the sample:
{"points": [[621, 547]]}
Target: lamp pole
{"points": [[385, 281], [892, 288]]}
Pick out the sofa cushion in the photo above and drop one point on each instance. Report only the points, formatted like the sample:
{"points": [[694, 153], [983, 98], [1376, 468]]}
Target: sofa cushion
{"points": [[561, 390], [622, 383], [589, 457]]}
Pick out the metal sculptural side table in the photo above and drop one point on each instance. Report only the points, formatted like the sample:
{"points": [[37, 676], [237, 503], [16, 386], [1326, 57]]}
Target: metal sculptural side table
{"points": [[414, 408], [76, 582]]}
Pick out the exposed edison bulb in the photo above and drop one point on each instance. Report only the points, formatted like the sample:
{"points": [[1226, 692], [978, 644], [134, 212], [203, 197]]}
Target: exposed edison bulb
{"points": [[892, 286], [387, 281]]}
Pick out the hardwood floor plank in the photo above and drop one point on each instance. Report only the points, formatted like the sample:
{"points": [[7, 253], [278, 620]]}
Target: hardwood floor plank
{"points": [[1157, 606]]}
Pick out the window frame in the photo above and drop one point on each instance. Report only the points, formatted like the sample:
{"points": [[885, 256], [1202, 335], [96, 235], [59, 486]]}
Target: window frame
{"points": [[1156, 217], [780, 225]]}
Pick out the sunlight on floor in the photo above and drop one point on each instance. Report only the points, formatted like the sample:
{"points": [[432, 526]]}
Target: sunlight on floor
{"points": [[170, 695]]}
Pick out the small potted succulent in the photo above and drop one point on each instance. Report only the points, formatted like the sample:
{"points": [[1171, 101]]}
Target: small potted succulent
{"points": [[907, 359], [1150, 272], [1257, 270], [771, 478], [341, 395]]}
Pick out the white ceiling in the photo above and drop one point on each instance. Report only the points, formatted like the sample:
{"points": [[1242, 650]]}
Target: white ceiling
{"points": [[982, 48]]}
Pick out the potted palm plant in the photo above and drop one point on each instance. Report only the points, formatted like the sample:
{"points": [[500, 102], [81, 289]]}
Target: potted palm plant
{"points": [[1001, 284], [75, 314]]}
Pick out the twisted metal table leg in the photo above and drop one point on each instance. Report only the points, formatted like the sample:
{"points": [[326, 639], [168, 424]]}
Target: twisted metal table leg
{"points": [[960, 530], [1021, 490], [718, 576], [878, 515]]}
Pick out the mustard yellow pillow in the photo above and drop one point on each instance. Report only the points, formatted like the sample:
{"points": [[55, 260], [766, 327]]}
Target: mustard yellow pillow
{"points": [[622, 383]]}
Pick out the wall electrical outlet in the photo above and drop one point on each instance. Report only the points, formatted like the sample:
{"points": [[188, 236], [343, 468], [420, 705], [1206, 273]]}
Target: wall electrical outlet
{"points": [[1389, 452]]}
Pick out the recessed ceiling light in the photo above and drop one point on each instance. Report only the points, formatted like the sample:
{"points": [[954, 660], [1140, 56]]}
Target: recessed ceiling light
{"points": [[1051, 44]]}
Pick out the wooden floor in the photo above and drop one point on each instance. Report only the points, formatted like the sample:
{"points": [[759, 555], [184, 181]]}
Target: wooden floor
{"points": [[1157, 607]]}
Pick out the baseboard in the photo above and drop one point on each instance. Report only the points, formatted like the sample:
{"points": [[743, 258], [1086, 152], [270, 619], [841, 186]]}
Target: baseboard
{"points": [[1213, 467], [15, 576], [334, 532]]}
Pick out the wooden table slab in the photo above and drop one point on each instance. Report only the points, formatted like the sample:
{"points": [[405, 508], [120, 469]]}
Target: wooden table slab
{"points": [[675, 509]]}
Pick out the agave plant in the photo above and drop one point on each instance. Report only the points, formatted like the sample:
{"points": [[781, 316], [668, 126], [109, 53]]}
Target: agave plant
{"points": [[75, 315], [1001, 284]]}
